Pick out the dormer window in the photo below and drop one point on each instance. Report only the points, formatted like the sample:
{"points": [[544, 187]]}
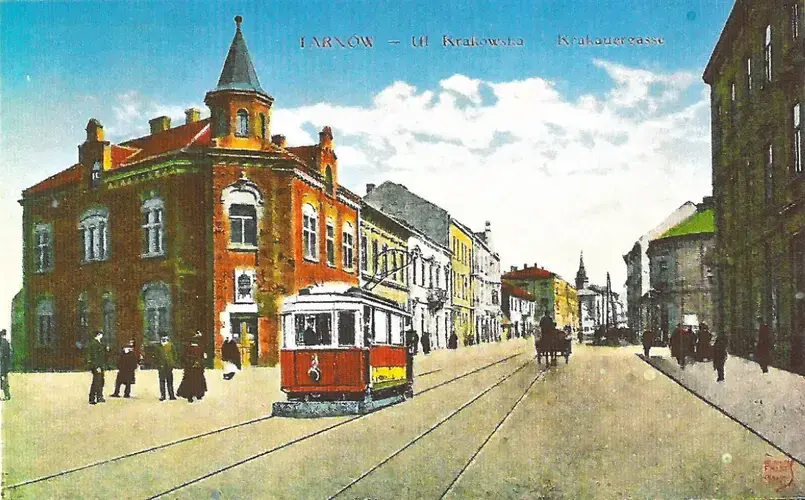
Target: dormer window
{"points": [[95, 178], [243, 123]]}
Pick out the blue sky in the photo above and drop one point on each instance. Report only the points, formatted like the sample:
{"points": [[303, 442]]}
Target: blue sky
{"points": [[121, 62]]}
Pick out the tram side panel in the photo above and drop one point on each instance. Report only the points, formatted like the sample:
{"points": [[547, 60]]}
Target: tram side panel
{"points": [[388, 366], [339, 371]]}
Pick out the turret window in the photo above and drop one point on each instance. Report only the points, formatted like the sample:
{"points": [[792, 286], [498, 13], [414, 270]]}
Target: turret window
{"points": [[243, 123]]}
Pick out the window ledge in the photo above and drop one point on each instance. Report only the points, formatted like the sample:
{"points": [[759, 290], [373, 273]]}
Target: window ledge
{"points": [[312, 260], [332, 266], [43, 271], [242, 248], [153, 255], [93, 261]]}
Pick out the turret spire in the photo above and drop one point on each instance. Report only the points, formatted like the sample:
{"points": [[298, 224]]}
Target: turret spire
{"points": [[238, 72], [581, 274]]}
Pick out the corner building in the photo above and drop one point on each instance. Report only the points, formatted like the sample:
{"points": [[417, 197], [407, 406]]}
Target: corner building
{"points": [[757, 93], [206, 226]]}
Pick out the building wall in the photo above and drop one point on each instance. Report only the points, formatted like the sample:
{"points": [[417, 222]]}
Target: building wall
{"points": [[566, 305], [125, 272], [463, 319], [395, 286], [430, 317], [758, 257], [486, 292]]}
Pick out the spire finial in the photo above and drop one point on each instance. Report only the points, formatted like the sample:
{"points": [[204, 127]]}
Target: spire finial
{"points": [[238, 20]]}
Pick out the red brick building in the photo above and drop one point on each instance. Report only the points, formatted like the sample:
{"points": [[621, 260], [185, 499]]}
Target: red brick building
{"points": [[203, 226]]}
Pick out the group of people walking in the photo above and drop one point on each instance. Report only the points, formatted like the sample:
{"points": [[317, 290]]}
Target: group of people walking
{"points": [[193, 385], [685, 342]]}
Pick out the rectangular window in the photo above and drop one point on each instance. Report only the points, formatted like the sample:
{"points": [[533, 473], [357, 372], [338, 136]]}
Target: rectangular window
{"points": [[348, 248], [795, 16], [153, 232], [364, 253], [395, 267], [767, 54], [243, 220], [44, 248], [797, 139], [330, 244], [375, 262], [413, 271], [313, 329], [749, 75], [310, 233], [769, 174], [346, 328]]}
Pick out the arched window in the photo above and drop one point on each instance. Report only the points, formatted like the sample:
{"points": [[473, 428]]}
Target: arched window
{"points": [[157, 311], [348, 245], [109, 320], [46, 322], [94, 229], [243, 123], [330, 242], [153, 211], [243, 204], [95, 177], [263, 125], [328, 178], [310, 224], [43, 248]]}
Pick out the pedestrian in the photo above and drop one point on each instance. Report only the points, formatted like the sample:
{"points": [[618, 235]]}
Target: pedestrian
{"points": [[230, 355], [764, 346], [679, 343], [410, 344], [581, 336], [193, 385], [425, 342], [412, 341], [546, 324], [703, 349], [648, 342], [96, 360], [452, 342], [165, 357], [720, 356], [126, 365], [5, 365]]}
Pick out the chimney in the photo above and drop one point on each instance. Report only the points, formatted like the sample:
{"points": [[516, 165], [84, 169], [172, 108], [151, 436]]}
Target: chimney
{"points": [[514, 268], [369, 188], [525, 266], [159, 124], [326, 137], [192, 115], [94, 131], [536, 266], [278, 140]]}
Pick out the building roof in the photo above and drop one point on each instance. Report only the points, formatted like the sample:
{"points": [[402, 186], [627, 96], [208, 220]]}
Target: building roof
{"points": [[238, 72], [529, 274], [61, 179], [514, 291], [396, 200], [738, 9], [173, 139], [701, 222]]}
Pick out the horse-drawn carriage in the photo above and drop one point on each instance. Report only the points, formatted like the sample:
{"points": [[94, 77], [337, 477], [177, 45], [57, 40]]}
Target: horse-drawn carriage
{"points": [[551, 344]]}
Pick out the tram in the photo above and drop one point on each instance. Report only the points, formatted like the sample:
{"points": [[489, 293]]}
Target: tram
{"points": [[343, 352]]}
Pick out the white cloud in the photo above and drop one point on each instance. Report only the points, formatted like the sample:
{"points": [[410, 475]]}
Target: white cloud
{"points": [[554, 175]]}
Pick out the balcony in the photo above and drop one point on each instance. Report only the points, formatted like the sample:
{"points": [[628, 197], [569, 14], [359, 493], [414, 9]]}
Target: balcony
{"points": [[436, 298]]}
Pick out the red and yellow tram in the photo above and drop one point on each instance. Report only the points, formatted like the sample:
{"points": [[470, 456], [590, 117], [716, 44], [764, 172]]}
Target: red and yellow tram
{"points": [[343, 352]]}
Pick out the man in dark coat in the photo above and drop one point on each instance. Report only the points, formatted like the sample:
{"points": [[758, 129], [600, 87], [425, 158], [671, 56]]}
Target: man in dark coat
{"points": [[703, 348], [764, 345], [126, 365], [452, 342], [720, 356], [165, 358], [425, 342], [411, 339], [5, 364], [678, 345], [309, 336], [230, 355], [546, 324], [193, 384], [648, 341], [96, 360]]}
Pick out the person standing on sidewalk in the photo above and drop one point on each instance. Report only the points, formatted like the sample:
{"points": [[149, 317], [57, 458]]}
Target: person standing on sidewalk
{"points": [[193, 385], [720, 356], [126, 365], [648, 341], [764, 345], [230, 355], [165, 357], [5, 364], [96, 359], [703, 348]]}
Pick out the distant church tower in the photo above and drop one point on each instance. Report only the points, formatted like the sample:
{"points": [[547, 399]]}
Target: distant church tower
{"points": [[581, 274]]}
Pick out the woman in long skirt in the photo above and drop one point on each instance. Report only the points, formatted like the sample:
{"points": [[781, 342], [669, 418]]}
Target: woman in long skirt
{"points": [[193, 385]]}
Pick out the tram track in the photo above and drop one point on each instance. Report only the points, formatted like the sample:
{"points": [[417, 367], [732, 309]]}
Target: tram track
{"points": [[199, 436], [444, 420]]}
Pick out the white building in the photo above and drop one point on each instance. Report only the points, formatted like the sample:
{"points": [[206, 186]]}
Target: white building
{"points": [[429, 300], [486, 284]]}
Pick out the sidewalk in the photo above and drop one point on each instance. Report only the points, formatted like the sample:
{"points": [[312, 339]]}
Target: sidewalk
{"points": [[771, 404]]}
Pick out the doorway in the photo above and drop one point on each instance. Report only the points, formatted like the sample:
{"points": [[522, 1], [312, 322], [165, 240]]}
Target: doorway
{"points": [[244, 331]]}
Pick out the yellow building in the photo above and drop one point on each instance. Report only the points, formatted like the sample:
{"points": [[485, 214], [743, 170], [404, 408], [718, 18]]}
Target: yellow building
{"points": [[383, 255], [566, 304], [553, 294], [461, 288]]}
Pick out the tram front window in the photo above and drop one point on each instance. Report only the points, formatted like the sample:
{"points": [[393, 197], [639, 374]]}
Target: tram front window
{"points": [[346, 328], [313, 329]]}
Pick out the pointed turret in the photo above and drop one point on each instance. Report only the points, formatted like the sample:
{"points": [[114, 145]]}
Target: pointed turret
{"points": [[581, 274], [240, 109]]}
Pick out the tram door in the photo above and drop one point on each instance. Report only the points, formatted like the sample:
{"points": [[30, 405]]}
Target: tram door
{"points": [[244, 330]]}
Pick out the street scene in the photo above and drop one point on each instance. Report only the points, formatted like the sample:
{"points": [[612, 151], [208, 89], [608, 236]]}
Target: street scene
{"points": [[273, 253], [528, 433]]}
